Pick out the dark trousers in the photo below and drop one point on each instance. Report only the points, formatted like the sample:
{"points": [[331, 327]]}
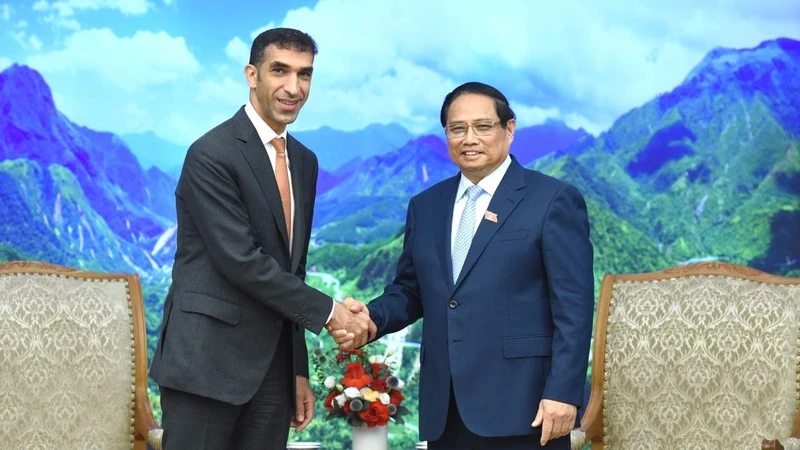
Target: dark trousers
{"points": [[199, 423], [457, 436]]}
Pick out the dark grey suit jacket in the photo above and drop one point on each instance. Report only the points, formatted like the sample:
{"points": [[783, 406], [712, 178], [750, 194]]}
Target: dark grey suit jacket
{"points": [[234, 284]]}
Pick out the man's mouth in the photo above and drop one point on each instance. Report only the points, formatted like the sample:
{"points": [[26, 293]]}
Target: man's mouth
{"points": [[289, 103], [471, 153]]}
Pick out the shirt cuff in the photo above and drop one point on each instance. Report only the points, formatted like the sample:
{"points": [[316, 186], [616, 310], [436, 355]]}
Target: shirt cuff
{"points": [[330, 316]]}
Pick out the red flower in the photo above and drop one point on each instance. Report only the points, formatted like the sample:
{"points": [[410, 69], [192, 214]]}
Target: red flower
{"points": [[376, 370], [355, 376], [376, 414], [395, 398], [379, 385], [346, 407], [329, 400]]}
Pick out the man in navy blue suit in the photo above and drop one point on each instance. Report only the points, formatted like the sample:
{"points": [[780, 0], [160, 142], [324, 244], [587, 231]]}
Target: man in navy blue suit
{"points": [[498, 260]]}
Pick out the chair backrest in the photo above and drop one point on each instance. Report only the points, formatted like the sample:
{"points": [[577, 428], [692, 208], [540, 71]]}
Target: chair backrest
{"points": [[71, 343], [700, 356]]}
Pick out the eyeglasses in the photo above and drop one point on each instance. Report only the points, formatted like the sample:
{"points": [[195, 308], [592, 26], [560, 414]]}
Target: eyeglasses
{"points": [[457, 130]]}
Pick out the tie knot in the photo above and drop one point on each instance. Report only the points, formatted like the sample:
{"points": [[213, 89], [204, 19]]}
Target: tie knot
{"points": [[280, 144], [474, 191]]}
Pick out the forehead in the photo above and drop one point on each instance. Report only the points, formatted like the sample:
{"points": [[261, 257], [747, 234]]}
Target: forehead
{"points": [[288, 56], [471, 107]]}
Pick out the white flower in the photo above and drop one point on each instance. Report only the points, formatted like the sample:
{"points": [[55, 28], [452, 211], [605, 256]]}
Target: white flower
{"points": [[400, 384], [352, 393], [373, 359], [340, 400], [330, 382], [384, 398], [340, 388]]}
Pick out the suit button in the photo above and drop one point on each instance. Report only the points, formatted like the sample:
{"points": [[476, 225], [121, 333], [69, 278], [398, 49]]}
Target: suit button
{"points": [[453, 304]]}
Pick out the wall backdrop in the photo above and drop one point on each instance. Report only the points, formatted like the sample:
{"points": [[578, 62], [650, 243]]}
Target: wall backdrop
{"points": [[679, 122]]}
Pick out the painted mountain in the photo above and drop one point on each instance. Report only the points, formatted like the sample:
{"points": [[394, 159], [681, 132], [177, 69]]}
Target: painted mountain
{"points": [[710, 170], [78, 197], [334, 148], [153, 151], [368, 199]]}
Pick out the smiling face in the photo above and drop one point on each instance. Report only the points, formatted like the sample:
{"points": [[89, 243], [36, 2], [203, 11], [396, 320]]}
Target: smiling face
{"points": [[280, 86], [478, 156]]}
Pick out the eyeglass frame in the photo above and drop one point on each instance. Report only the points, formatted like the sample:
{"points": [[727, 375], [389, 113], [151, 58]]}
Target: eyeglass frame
{"points": [[474, 131]]}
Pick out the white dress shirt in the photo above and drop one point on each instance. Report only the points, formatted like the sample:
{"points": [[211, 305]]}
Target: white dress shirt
{"points": [[489, 185], [266, 135]]}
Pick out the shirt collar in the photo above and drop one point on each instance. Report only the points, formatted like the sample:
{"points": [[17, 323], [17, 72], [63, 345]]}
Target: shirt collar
{"points": [[489, 183], [265, 133]]}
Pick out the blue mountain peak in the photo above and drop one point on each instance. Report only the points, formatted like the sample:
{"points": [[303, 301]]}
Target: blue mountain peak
{"points": [[721, 61], [26, 99]]}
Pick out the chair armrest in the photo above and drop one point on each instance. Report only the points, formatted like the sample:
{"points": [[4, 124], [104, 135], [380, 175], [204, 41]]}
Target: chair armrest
{"points": [[791, 443], [146, 430], [577, 438]]}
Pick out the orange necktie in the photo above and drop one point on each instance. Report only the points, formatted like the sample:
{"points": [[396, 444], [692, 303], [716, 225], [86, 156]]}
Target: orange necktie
{"points": [[282, 177]]}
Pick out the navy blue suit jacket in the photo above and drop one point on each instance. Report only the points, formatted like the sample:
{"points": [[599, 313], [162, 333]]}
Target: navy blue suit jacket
{"points": [[515, 327]]}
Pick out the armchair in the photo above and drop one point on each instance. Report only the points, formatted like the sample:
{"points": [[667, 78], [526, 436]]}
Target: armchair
{"points": [[699, 356], [73, 360]]}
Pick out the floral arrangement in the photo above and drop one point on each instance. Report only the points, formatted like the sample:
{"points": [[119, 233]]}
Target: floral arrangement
{"points": [[359, 388]]}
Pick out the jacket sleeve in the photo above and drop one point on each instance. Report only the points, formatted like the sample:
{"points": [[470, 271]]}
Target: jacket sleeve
{"points": [[401, 302], [211, 194]]}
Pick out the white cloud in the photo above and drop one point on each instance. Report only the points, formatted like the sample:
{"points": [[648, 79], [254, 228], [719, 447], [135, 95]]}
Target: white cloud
{"points": [[5, 12], [237, 51], [128, 62], [66, 23], [35, 42], [4, 63], [533, 115], [591, 61], [68, 7], [575, 121], [223, 90], [41, 5]]}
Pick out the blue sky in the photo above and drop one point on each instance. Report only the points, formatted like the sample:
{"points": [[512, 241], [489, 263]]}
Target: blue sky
{"points": [[174, 67]]}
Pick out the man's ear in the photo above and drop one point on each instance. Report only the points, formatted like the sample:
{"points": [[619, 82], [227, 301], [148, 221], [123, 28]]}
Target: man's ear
{"points": [[510, 127], [251, 74]]}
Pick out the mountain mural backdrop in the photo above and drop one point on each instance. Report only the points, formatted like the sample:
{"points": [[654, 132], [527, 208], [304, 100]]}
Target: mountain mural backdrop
{"points": [[709, 170]]}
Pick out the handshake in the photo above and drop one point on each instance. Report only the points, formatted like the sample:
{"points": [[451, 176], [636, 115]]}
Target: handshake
{"points": [[350, 326]]}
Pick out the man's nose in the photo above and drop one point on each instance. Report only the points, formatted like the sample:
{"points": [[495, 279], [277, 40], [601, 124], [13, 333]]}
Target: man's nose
{"points": [[470, 137], [292, 86]]}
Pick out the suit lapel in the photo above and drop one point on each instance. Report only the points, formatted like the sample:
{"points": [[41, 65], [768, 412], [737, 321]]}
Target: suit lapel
{"points": [[505, 199], [443, 228], [256, 155], [299, 222]]}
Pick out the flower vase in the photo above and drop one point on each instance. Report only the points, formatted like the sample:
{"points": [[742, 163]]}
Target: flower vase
{"points": [[374, 438]]}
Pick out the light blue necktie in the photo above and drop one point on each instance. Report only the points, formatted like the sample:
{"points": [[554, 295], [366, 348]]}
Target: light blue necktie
{"points": [[466, 226]]}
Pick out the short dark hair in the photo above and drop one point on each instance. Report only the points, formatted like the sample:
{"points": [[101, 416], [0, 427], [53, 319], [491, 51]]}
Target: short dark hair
{"points": [[504, 111], [283, 38]]}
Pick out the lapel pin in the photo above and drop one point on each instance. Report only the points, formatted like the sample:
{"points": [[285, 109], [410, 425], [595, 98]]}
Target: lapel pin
{"points": [[490, 216]]}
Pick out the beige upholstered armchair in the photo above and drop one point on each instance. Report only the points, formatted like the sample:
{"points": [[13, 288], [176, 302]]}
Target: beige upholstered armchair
{"points": [[705, 356], [73, 360]]}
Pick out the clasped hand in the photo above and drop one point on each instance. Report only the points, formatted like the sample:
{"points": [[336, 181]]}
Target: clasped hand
{"points": [[351, 326]]}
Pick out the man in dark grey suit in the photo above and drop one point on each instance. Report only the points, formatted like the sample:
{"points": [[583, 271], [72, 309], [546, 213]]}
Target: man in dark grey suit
{"points": [[232, 362]]}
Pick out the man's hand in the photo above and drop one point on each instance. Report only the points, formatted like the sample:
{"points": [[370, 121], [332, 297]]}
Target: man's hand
{"points": [[350, 325], [556, 419], [304, 405]]}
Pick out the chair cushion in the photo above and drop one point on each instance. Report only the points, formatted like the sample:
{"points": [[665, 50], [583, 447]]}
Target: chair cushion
{"points": [[700, 362], [66, 352]]}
